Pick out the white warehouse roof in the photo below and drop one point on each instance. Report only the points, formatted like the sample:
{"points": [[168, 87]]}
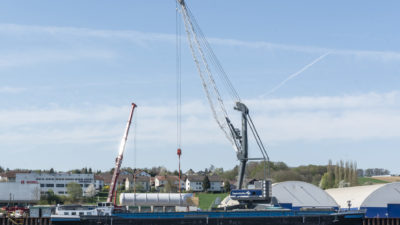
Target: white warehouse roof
{"points": [[378, 195], [302, 194]]}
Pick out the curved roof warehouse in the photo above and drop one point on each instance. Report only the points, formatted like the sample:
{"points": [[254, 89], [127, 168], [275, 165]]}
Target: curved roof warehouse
{"points": [[298, 194], [380, 200]]}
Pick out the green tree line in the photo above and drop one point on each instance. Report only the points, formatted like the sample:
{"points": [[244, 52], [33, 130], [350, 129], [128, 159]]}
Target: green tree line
{"points": [[343, 174]]}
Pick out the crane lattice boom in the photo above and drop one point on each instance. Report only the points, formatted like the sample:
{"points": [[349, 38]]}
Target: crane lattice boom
{"points": [[203, 57]]}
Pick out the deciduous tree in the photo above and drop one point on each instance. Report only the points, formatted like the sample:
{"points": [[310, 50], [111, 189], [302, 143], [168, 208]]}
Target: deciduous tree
{"points": [[74, 191]]}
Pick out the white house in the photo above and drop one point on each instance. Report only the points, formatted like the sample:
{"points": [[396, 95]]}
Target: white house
{"points": [[216, 184], [159, 182], [194, 183], [141, 173]]}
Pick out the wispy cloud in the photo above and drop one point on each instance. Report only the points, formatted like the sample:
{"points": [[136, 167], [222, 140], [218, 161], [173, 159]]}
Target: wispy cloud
{"points": [[70, 32], [377, 55], [143, 38], [11, 90], [99, 128], [365, 116], [367, 101], [33, 57]]}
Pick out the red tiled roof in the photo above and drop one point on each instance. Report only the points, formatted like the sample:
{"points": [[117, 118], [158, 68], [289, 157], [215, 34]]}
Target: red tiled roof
{"points": [[200, 178], [107, 177], [12, 174], [97, 177], [196, 178], [139, 178], [168, 177], [215, 178]]}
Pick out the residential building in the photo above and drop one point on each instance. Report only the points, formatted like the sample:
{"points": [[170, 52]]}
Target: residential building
{"points": [[142, 183], [190, 172], [152, 182], [98, 182], [141, 173], [161, 181], [216, 184], [194, 183], [107, 177], [232, 184], [9, 176]]}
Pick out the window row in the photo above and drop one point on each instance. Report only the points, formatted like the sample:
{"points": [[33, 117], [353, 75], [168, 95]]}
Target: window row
{"points": [[61, 185], [74, 179], [80, 213]]}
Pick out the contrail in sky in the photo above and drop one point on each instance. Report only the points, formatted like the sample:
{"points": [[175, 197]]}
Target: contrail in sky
{"points": [[295, 75]]}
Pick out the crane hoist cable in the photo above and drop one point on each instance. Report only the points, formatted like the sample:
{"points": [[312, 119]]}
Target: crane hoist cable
{"points": [[178, 80], [213, 96], [178, 92], [214, 60]]}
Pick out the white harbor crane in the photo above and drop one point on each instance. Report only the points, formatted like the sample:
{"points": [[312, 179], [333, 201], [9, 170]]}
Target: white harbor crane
{"points": [[208, 65], [118, 161]]}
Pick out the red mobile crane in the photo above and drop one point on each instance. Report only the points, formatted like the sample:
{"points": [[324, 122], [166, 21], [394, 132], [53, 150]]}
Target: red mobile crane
{"points": [[118, 161]]}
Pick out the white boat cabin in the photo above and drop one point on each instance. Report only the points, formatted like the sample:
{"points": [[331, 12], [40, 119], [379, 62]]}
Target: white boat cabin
{"points": [[75, 211]]}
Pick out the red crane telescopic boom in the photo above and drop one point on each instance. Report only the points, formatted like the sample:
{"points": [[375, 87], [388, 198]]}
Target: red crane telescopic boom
{"points": [[118, 160]]}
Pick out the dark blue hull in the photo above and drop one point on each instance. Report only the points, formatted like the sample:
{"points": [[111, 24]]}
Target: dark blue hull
{"points": [[222, 218]]}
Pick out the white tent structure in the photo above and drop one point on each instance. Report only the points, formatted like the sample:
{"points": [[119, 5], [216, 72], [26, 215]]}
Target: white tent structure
{"points": [[380, 200], [298, 194]]}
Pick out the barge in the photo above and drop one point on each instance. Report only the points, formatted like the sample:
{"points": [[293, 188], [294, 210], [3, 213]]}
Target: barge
{"points": [[109, 215], [243, 217]]}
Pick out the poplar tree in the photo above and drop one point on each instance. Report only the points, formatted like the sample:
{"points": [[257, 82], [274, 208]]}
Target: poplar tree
{"points": [[355, 175], [350, 173], [206, 184], [331, 176], [341, 170], [346, 172], [337, 174]]}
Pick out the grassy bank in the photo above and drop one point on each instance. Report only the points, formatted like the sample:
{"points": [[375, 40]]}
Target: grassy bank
{"points": [[369, 180], [206, 199]]}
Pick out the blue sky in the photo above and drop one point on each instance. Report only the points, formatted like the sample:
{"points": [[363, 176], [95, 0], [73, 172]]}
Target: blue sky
{"points": [[69, 70]]}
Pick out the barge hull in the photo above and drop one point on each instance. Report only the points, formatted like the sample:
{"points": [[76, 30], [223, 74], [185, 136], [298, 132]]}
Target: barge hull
{"points": [[284, 220]]}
